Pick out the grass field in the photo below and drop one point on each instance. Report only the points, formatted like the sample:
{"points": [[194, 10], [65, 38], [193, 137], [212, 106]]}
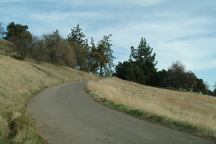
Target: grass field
{"points": [[187, 111], [19, 81]]}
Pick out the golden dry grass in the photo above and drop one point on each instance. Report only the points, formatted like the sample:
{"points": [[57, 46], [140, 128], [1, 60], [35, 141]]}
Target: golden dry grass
{"points": [[185, 107], [19, 81], [6, 47]]}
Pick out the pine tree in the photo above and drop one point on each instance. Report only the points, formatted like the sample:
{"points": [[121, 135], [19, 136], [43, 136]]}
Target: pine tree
{"points": [[214, 91], [105, 56], [93, 57], [141, 65], [144, 59], [77, 36], [143, 53], [80, 45]]}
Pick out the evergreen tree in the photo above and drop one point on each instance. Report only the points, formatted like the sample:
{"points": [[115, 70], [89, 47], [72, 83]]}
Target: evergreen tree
{"points": [[144, 59], [105, 56], [77, 36], [141, 65], [14, 30], [93, 57], [214, 91], [125, 70], [80, 45], [143, 53], [21, 37]]}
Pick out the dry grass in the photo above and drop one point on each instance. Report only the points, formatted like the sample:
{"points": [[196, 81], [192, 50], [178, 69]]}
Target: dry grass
{"points": [[6, 47], [189, 108], [19, 81]]}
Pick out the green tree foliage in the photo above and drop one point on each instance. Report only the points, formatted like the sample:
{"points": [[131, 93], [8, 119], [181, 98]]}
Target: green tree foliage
{"points": [[141, 65], [93, 57], [214, 91], [175, 75], [105, 56], [21, 37], [80, 46], [126, 71], [100, 57], [77, 36], [141, 68], [14, 30], [178, 78]]}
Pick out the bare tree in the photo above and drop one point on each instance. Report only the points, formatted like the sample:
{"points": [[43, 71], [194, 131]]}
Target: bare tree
{"points": [[23, 43], [1, 30]]}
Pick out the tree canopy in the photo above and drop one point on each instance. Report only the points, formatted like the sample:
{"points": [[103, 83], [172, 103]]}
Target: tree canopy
{"points": [[141, 65], [15, 30]]}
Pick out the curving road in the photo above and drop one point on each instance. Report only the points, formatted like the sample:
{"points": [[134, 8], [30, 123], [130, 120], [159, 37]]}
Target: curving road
{"points": [[65, 114]]}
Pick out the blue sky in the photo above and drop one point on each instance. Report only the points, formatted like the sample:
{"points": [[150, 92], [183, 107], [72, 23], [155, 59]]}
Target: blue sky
{"points": [[177, 30]]}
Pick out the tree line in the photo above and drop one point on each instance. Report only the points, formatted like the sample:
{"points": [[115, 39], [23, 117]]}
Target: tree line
{"points": [[141, 68], [78, 52], [74, 51]]}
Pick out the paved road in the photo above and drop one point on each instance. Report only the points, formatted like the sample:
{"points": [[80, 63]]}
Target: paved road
{"points": [[65, 114]]}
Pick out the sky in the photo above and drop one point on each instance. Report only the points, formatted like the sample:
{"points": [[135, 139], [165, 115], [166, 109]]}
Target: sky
{"points": [[176, 29]]}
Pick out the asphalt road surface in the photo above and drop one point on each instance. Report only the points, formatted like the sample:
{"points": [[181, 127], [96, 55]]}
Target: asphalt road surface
{"points": [[66, 114]]}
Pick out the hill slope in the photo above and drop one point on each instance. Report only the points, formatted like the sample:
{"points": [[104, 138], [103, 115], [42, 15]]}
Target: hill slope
{"points": [[19, 81], [191, 112]]}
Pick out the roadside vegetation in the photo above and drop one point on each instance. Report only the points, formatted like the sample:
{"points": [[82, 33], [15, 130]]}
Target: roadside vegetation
{"points": [[187, 111]]}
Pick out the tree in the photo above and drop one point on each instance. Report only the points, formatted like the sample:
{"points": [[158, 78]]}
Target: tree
{"points": [[93, 57], [77, 36], [143, 54], [38, 49], [160, 78], [141, 65], [23, 43], [178, 78], [125, 70], [80, 46], [146, 59], [14, 30], [105, 56], [54, 45], [1, 31], [54, 49], [214, 91], [21, 37], [175, 75]]}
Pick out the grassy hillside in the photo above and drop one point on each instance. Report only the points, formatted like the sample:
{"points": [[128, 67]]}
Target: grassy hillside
{"points": [[191, 112], [19, 81]]}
